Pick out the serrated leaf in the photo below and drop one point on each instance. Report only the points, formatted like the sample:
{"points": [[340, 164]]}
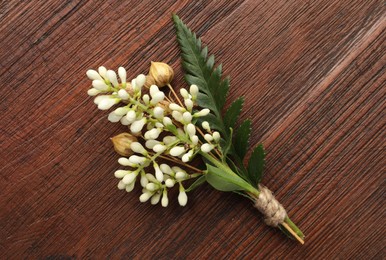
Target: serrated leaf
{"points": [[204, 101], [222, 181], [198, 182], [241, 139], [233, 112], [256, 165], [199, 71]]}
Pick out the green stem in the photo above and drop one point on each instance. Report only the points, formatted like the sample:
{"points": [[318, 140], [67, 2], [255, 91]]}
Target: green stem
{"points": [[247, 187], [250, 190]]}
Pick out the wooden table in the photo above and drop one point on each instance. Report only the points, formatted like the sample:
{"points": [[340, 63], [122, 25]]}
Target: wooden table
{"points": [[312, 72]]}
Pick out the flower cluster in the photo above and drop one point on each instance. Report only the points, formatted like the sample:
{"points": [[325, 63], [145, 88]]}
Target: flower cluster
{"points": [[167, 128]]}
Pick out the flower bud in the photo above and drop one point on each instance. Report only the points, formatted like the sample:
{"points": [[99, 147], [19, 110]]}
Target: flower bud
{"points": [[155, 199], [161, 73], [182, 197], [122, 143]]}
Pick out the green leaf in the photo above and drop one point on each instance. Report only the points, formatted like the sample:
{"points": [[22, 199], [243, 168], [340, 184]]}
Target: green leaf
{"points": [[222, 181], [233, 112], [199, 181], [256, 165], [199, 70], [241, 139]]}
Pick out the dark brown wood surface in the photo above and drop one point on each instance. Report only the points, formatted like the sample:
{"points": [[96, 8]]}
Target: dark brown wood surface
{"points": [[313, 73]]}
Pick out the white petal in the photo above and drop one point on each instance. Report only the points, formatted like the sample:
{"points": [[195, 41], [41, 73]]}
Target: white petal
{"points": [[125, 162], [206, 148], [165, 200], [151, 143], [155, 199], [146, 99], [159, 148], [102, 71], [167, 121], [107, 103], [189, 104], [93, 92], [206, 126], [137, 126], [120, 173], [157, 98], [182, 198], [123, 94], [184, 93], [153, 90], [169, 183], [140, 80], [131, 116], [175, 107], [169, 139], [92, 74], [121, 185], [122, 74], [158, 112], [121, 111], [190, 129], [194, 139], [187, 117], [208, 137], [100, 85], [130, 187], [177, 116], [201, 113], [158, 173], [137, 148], [193, 91], [129, 178], [177, 150], [112, 77], [145, 197], [166, 168], [216, 136], [113, 117]]}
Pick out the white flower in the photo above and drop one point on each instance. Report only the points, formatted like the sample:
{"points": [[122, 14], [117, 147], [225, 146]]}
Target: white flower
{"points": [[177, 150], [120, 173], [145, 196], [124, 121], [137, 126], [131, 116], [201, 113], [182, 197], [158, 173], [206, 126], [159, 148], [175, 107], [121, 111], [167, 121], [194, 139], [140, 80], [155, 198], [100, 85], [93, 75], [193, 91], [181, 175], [112, 77], [150, 177], [216, 136], [138, 148], [177, 116], [187, 117], [151, 143], [191, 129], [123, 94], [170, 183], [184, 93], [152, 134], [153, 90], [165, 200], [208, 137], [158, 112], [121, 185], [151, 186], [129, 178], [146, 99], [166, 169], [107, 102], [189, 104], [102, 71], [93, 92], [206, 148], [169, 139], [135, 159], [144, 181], [122, 75], [125, 162], [130, 186], [158, 97], [113, 117], [186, 157]]}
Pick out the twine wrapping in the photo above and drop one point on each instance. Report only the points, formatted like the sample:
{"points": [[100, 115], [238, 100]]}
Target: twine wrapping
{"points": [[272, 210]]}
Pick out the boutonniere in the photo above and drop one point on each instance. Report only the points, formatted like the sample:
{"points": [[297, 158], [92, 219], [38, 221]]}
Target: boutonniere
{"points": [[182, 140]]}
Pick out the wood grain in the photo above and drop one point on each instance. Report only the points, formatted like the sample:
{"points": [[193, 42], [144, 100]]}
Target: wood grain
{"points": [[313, 73]]}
